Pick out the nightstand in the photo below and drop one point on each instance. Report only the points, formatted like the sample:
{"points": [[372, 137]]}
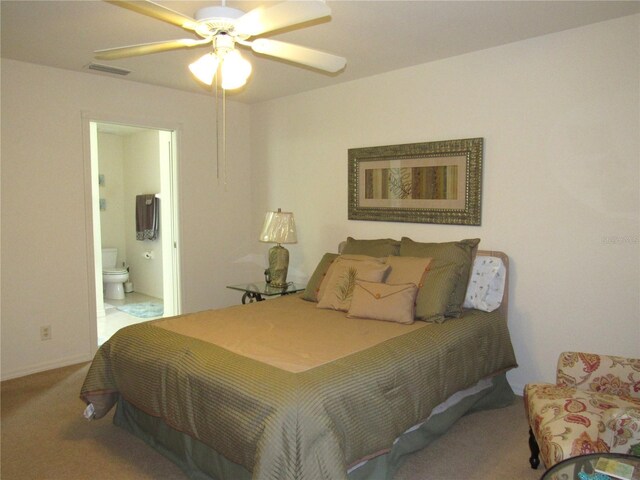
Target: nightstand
{"points": [[254, 292]]}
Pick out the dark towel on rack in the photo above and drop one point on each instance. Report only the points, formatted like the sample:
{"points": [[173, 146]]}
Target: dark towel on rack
{"points": [[147, 217]]}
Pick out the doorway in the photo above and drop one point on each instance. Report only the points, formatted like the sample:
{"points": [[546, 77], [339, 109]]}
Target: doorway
{"points": [[126, 162]]}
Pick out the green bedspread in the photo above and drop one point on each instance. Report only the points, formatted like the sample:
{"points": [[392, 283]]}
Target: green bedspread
{"points": [[310, 425]]}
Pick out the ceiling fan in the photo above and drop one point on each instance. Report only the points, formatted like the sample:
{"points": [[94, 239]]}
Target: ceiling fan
{"points": [[223, 28]]}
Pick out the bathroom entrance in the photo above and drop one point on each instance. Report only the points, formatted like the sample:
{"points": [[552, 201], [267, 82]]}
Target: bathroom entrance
{"points": [[134, 224]]}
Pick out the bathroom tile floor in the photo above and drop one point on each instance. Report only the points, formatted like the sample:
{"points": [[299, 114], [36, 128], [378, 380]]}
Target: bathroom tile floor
{"points": [[114, 319]]}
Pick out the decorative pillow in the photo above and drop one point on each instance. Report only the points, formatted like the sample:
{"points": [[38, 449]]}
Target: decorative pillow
{"points": [[338, 287], [381, 247], [444, 288], [408, 270], [382, 301], [313, 287], [486, 284], [323, 284]]}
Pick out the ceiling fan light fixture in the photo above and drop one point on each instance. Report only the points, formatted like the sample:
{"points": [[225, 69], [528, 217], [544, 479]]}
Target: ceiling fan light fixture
{"points": [[205, 68], [222, 27], [235, 70]]}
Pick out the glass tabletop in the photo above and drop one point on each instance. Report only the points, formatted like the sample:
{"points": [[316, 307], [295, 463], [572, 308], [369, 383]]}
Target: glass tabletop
{"points": [[267, 289], [583, 467]]}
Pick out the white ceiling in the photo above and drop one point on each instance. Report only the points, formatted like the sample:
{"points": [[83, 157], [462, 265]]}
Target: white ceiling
{"points": [[374, 36]]}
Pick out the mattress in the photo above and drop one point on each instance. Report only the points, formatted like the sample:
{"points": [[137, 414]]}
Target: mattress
{"points": [[282, 417]]}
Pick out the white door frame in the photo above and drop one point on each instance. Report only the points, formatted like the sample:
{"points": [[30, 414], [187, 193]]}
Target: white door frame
{"points": [[169, 223], [170, 134]]}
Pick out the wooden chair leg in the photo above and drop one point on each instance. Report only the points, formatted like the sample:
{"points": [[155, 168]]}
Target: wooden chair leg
{"points": [[534, 460]]}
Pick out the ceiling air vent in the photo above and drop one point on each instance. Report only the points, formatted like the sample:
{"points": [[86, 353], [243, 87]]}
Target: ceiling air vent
{"points": [[107, 69]]}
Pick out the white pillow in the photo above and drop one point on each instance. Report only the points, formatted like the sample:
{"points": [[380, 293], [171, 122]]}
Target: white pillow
{"points": [[486, 284]]}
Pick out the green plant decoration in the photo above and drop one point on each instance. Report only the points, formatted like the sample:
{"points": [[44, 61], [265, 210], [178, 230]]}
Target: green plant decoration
{"points": [[348, 282]]}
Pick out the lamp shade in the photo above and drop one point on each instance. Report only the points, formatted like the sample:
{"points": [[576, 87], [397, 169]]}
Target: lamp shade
{"points": [[279, 227], [235, 70], [204, 69]]}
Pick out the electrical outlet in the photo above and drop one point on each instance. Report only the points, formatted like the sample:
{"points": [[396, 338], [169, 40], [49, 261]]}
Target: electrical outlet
{"points": [[45, 332]]}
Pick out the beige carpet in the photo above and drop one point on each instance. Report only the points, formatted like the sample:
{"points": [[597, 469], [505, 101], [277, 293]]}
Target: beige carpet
{"points": [[44, 436]]}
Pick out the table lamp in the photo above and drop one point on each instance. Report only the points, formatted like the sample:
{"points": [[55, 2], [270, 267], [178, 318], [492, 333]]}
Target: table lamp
{"points": [[279, 227]]}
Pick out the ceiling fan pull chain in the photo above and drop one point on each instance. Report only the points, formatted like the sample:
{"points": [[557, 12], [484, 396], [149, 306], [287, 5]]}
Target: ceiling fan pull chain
{"points": [[217, 133], [224, 138], [221, 132]]}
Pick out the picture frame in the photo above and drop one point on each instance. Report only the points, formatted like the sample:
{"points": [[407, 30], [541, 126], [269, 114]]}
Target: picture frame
{"points": [[431, 182]]}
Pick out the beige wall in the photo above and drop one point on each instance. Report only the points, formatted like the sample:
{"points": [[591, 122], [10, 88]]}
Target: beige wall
{"points": [[45, 252], [561, 188]]}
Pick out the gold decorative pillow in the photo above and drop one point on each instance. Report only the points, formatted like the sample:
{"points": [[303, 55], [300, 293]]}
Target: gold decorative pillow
{"points": [[325, 279], [337, 288], [408, 270], [383, 301]]}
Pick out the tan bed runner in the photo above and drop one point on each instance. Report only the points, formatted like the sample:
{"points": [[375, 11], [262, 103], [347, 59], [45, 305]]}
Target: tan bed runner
{"points": [[295, 338]]}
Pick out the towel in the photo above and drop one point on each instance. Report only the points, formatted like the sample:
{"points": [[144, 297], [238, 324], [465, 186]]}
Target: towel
{"points": [[147, 217]]}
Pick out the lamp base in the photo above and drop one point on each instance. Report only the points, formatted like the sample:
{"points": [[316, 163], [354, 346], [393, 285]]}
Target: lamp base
{"points": [[278, 265]]}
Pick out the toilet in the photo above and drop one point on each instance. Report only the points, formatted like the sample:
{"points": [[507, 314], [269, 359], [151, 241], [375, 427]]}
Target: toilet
{"points": [[113, 278]]}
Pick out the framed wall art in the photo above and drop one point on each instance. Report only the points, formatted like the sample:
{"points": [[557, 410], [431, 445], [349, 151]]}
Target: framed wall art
{"points": [[431, 182]]}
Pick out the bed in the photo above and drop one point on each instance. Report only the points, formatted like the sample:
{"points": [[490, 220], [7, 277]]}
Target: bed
{"points": [[283, 389]]}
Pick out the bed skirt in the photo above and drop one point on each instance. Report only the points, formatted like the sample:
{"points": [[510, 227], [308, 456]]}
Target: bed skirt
{"points": [[200, 462]]}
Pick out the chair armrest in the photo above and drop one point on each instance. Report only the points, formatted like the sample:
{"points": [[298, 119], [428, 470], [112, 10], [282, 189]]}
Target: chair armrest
{"points": [[621, 430], [608, 374]]}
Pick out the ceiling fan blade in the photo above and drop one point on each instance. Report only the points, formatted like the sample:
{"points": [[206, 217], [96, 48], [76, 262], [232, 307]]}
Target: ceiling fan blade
{"points": [[147, 48], [296, 53], [265, 19], [157, 11]]}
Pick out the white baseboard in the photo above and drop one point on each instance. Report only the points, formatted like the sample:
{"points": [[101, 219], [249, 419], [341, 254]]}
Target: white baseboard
{"points": [[41, 367]]}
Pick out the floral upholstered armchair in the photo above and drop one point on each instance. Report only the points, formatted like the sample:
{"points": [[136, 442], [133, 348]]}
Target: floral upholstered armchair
{"points": [[593, 407]]}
